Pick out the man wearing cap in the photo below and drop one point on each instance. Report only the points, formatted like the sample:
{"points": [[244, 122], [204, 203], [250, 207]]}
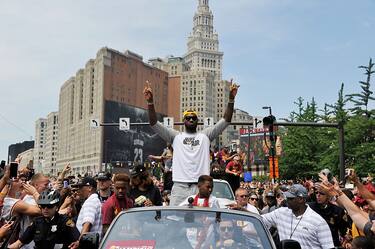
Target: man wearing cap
{"points": [[270, 201], [299, 222], [143, 190], [90, 215], [104, 184], [191, 149]]}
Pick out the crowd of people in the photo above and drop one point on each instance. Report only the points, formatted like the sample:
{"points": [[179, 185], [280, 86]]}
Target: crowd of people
{"points": [[40, 211]]}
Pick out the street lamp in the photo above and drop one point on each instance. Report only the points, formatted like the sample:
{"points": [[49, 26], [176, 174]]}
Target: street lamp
{"points": [[267, 107]]}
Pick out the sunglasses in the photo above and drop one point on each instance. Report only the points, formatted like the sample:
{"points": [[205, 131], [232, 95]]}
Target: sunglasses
{"points": [[253, 199], [46, 206], [243, 196], [226, 229], [194, 118]]}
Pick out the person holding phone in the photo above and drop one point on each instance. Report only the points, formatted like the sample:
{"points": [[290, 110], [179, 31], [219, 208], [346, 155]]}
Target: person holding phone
{"points": [[26, 207], [51, 228]]}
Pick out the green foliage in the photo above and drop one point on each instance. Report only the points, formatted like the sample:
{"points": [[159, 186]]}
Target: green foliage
{"points": [[307, 150], [362, 99]]}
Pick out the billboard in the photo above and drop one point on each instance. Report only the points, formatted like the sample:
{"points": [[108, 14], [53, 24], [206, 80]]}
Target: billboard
{"points": [[259, 145], [129, 146]]}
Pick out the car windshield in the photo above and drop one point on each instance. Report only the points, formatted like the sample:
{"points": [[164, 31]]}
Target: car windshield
{"points": [[222, 190], [186, 229]]}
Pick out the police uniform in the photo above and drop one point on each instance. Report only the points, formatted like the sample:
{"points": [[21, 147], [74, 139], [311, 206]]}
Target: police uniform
{"points": [[47, 233]]}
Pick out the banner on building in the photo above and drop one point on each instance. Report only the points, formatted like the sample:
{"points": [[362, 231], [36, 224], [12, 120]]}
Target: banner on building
{"points": [[126, 147]]}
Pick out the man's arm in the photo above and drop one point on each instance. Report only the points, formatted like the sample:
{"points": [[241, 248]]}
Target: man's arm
{"points": [[4, 180], [22, 207], [232, 95], [362, 190], [219, 127], [271, 218], [358, 216], [147, 92]]}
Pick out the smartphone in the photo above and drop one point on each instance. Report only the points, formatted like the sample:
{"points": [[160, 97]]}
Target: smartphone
{"points": [[13, 170], [349, 172], [2, 165], [66, 184]]}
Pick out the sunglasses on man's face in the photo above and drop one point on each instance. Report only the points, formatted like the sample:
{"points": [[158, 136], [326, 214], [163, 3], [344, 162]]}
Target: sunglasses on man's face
{"points": [[46, 206], [320, 193], [194, 118], [226, 229]]}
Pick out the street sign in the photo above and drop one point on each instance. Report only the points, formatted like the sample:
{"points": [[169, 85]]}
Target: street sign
{"points": [[94, 123], [168, 122], [124, 124], [208, 122]]}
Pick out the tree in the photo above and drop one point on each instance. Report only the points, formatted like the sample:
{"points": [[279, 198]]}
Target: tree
{"points": [[361, 100], [307, 150]]}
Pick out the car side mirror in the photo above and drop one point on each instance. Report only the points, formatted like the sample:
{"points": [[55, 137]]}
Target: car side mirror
{"points": [[89, 241], [290, 244]]}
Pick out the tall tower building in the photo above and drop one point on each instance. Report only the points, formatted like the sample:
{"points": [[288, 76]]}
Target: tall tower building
{"points": [[202, 87], [203, 43]]}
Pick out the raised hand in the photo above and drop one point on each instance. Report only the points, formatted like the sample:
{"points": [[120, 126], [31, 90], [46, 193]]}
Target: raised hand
{"points": [[233, 90], [67, 168], [147, 92], [29, 189]]}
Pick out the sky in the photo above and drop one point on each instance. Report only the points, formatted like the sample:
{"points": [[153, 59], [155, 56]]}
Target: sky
{"points": [[277, 50]]}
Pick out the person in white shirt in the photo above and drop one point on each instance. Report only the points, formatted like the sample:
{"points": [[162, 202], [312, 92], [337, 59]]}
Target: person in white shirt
{"points": [[204, 197], [299, 222], [242, 201], [90, 215], [191, 149]]}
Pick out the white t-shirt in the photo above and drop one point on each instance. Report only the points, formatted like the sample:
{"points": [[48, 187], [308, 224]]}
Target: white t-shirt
{"points": [[26, 220], [191, 151], [212, 201], [91, 212]]}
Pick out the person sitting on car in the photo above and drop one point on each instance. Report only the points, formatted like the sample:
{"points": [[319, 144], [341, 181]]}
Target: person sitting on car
{"points": [[204, 197]]}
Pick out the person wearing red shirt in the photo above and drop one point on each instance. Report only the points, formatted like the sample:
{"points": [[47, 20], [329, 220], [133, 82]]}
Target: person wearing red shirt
{"points": [[117, 202], [234, 170]]}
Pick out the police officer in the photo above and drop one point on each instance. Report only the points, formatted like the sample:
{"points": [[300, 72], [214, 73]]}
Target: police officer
{"points": [[51, 228]]}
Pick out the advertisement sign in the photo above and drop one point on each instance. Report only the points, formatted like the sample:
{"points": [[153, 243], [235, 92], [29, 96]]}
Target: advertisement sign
{"points": [[126, 147], [259, 149], [131, 244]]}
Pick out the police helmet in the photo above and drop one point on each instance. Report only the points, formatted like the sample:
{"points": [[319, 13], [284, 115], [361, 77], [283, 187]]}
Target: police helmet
{"points": [[49, 197]]}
